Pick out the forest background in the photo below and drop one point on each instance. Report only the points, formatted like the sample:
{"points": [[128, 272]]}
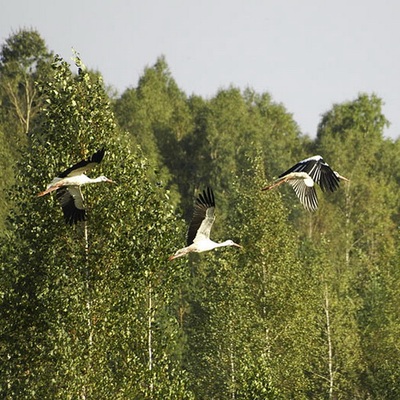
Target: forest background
{"points": [[308, 309]]}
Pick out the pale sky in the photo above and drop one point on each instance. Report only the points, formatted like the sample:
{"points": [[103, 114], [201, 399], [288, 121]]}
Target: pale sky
{"points": [[308, 54]]}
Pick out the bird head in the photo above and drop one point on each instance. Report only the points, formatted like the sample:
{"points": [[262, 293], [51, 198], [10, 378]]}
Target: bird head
{"points": [[105, 179], [341, 177], [232, 243]]}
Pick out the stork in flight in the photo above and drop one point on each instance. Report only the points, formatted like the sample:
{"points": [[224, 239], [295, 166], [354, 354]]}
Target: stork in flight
{"points": [[198, 235], [68, 186], [303, 176]]}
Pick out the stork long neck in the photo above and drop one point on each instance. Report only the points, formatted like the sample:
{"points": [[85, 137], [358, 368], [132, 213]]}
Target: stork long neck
{"points": [[95, 180], [225, 243]]}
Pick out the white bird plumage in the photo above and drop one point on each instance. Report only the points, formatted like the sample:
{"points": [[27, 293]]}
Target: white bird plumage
{"points": [[303, 176], [68, 186], [198, 235]]}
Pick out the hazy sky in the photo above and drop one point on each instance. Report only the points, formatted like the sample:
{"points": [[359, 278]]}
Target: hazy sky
{"points": [[308, 54]]}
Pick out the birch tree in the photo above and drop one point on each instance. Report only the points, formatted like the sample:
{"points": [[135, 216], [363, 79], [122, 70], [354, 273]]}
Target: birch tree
{"points": [[88, 311]]}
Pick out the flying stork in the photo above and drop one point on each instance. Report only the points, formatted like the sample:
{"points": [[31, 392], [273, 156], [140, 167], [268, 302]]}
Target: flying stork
{"points": [[68, 186], [303, 176], [198, 235]]}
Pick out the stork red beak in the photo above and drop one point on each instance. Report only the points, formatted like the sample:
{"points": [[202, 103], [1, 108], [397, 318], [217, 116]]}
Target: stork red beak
{"points": [[110, 181], [237, 245], [343, 178]]}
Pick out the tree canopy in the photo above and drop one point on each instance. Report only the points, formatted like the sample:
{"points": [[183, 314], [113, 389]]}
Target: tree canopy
{"points": [[306, 309]]}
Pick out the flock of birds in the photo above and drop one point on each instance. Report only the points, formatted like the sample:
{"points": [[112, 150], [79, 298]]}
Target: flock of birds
{"points": [[302, 177]]}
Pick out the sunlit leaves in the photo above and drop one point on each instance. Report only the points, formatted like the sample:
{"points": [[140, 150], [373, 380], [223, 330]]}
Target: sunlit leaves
{"points": [[89, 300], [107, 316]]}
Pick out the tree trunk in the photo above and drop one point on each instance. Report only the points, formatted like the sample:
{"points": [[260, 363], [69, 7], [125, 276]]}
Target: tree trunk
{"points": [[150, 333], [329, 339], [88, 301]]}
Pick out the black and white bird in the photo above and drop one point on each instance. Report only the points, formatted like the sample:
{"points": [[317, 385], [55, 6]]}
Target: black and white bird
{"points": [[68, 186], [198, 235], [303, 176]]}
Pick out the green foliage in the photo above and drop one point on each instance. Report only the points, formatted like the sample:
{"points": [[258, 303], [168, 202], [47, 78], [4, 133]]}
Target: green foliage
{"points": [[6, 178], [380, 317], [157, 116], [282, 292], [307, 309], [85, 295], [358, 222], [24, 59], [251, 308]]}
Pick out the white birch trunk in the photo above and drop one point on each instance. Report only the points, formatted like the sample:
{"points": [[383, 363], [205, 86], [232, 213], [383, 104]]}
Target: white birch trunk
{"points": [[233, 370], [329, 339], [88, 301], [150, 334]]}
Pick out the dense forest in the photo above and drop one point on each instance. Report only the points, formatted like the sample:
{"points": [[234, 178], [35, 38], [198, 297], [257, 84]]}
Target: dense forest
{"points": [[307, 309]]}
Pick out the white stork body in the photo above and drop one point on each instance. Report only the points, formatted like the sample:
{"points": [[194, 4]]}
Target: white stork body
{"points": [[79, 180], [303, 176], [68, 186], [198, 236]]}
